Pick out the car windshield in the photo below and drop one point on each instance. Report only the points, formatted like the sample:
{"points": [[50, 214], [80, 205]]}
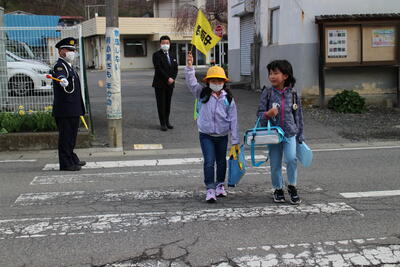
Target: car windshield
{"points": [[19, 49], [12, 57]]}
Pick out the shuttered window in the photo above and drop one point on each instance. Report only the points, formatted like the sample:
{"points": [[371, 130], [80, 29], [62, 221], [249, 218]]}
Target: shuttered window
{"points": [[246, 39]]}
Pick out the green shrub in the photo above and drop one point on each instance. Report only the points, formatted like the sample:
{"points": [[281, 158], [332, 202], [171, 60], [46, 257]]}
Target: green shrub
{"points": [[347, 102], [20, 121], [44, 122]]}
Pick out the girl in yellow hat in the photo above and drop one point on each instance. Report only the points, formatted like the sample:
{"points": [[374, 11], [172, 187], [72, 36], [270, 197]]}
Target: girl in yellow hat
{"points": [[216, 120]]}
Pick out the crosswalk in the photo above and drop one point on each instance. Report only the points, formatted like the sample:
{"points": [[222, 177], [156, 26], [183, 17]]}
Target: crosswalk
{"points": [[100, 176], [88, 187]]}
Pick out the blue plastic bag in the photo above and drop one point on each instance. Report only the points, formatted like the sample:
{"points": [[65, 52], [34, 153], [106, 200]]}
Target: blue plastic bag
{"points": [[236, 165], [304, 154]]}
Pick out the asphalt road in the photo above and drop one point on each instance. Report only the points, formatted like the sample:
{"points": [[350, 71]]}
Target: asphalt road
{"points": [[140, 119], [147, 209]]}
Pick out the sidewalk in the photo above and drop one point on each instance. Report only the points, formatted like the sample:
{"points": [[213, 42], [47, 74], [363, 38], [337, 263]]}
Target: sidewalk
{"points": [[140, 120]]}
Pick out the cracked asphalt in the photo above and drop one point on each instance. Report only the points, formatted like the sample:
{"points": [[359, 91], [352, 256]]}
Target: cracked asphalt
{"points": [[156, 215]]}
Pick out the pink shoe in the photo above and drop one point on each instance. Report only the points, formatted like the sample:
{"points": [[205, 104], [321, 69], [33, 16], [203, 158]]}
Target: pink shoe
{"points": [[220, 191], [210, 197]]}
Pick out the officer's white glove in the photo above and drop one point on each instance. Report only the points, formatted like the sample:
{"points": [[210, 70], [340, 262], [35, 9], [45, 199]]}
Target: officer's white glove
{"points": [[64, 82]]}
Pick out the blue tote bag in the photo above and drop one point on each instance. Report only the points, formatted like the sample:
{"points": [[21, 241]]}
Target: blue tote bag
{"points": [[262, 136], [236, 165], [304, 154]]}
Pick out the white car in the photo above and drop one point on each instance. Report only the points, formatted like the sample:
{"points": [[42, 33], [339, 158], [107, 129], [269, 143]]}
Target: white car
{"points": [[26, 77]]}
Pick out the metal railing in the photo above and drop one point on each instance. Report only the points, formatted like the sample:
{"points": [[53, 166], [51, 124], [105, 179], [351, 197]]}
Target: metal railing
{"points": [[27, 55]]}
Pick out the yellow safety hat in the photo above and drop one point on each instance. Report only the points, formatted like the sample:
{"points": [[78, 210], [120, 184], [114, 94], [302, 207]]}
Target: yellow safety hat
{"points": [[216, 72]]}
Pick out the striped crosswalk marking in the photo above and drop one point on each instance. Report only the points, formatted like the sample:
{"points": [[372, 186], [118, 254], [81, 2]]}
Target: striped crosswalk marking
{"points": [[17, 160], [385, 193], [353, 252], [50, 198], [29, 199], [139, 163], [115, 223], [94, 177]]}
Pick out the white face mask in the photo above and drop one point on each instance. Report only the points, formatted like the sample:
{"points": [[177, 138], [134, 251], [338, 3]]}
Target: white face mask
{"points": [[70, 56], [165, 47], [216, 87]]}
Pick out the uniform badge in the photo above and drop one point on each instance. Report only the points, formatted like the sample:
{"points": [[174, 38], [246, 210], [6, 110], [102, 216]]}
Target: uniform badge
{"points": [[59, 68], [295, 106], [72, 42]]}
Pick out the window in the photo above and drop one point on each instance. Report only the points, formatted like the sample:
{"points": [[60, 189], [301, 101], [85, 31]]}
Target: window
{"points": [[274, 26], [10, 59], [135, 48]]}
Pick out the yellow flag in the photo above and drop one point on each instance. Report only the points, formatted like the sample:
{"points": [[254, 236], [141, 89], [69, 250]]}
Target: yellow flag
{"points": [[204, 37]]}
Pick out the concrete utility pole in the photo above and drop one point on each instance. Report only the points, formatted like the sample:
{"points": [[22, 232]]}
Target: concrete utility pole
{"points": [[257, 42], [113, 73]]}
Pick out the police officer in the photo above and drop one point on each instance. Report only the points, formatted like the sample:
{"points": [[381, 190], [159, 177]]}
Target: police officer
{"points": [[68, 105]]}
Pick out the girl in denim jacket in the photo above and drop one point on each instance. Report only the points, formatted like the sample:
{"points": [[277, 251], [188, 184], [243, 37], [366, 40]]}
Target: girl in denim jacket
{"points": [[216, 120], [280, 105]]}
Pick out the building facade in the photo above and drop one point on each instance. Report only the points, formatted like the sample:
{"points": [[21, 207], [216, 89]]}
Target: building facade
{"points": [[264, 30], [140, 38]]}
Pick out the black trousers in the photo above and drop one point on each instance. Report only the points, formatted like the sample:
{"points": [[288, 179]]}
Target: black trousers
{"points": [[67, 133], [163, 96]]}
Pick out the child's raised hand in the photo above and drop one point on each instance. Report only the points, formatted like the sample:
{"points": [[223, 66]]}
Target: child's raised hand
{"points": [[189, 59]]}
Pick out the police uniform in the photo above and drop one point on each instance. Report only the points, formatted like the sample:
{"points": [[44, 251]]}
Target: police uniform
{"points": [[67, 108]]}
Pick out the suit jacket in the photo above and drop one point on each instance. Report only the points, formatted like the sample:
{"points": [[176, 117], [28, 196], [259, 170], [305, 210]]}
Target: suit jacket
{"points": [[163, 70], [68, 101]]}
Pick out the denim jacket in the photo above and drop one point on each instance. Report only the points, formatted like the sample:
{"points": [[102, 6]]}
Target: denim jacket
{"points": [[285, 118], [215, 118]]}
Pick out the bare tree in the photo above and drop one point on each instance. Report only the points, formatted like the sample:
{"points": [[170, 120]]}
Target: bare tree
{"points": [[215, 10]]}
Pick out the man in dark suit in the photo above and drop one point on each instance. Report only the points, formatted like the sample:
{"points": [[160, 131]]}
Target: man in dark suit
{"points": [[165, 72], [68, 105]]}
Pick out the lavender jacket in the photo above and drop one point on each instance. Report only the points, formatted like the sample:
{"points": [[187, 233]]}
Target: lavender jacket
{"points": [[215, 117], [285, 118]]}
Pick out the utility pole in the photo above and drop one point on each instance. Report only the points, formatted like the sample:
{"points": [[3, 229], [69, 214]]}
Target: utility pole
{"points": [[113, 73], [257, 42]]}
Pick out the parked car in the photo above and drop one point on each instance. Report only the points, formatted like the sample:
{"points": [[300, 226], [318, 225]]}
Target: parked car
{"points": [[26, 77], [20, 49]]}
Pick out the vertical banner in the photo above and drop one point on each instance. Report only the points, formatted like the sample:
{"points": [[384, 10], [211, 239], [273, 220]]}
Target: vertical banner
{"points": [[113, 73]]}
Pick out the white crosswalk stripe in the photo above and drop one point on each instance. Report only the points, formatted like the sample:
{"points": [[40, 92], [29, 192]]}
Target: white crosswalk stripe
{"points": [[96, 177], [30, 199], [50, 198], [385, 193], [139, 163], [354, 252], [115, 223]]}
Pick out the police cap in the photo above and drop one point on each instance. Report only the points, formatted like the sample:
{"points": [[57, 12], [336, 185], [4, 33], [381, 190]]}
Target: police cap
{"points": [[69, 43]]}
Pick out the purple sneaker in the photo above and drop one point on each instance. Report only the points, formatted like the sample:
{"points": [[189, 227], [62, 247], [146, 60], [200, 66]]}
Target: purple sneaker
{"points": [[210, 197], [220, 191]]}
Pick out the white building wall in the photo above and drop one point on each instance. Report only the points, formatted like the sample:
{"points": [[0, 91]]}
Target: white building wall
{"points": [[166, 8], [139, 62], [233, 43], [233, 27], [299, 30], [298, 37]]}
